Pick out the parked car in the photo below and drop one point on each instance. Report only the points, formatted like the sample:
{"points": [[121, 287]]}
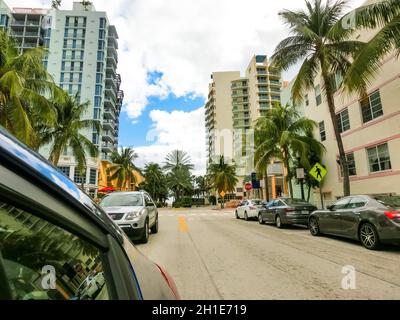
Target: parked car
{"points": [[371, 220], [53, 236], [135, 212], [285, 211], [248, 209], [90, 286]]}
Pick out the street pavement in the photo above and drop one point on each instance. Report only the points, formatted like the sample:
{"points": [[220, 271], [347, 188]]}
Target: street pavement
{"points": [[212, 255]]}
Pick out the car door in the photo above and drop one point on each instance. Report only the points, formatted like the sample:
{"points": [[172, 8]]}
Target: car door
{"points": [[272, 210], [330, 220], [151, 208], [350, 216], [267, 211]]}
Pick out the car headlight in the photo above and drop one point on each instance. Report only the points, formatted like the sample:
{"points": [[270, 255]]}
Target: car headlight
{"points": [[133, 215]]}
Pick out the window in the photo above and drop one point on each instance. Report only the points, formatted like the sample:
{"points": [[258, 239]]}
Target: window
{"points": [[99, 78], [65, 170], [93, 176], [318, 97], [343, 120], [102, 23], [306, 100], [379, 158], [102, 34], [100, 55], [78, 178], [99, 89], [45, 262], [100, 66], [356, 202], [351, 164], [96, 116], [97, 102], [322, 132], [340, 204], [371, 107], [102, 44]]}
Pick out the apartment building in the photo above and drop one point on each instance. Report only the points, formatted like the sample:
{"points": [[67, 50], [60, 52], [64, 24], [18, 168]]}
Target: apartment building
{"points": [[234, 104], [82, 59], [370, 129]]}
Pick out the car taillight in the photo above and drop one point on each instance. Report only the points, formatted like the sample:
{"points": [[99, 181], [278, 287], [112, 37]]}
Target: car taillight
{"points": [[170, 282], [289, 209], [392, 214]]}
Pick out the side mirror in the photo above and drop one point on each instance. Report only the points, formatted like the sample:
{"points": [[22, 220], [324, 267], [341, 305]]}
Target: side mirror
{"points": [[330, 208]]}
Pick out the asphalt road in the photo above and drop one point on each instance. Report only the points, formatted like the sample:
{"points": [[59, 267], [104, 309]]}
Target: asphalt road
{"points": [[212, 255]]}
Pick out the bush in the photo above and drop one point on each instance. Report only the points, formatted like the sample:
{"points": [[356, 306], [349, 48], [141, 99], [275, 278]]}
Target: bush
{"points": [[186, 202], [198, 201], [177, 204], [213, 200]]}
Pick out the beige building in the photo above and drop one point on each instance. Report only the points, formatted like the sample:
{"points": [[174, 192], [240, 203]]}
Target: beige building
{"points": [[370, 131], [234, 104]]}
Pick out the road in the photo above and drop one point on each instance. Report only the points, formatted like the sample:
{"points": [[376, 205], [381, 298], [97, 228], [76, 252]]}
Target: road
{"points": [[212, 255]]}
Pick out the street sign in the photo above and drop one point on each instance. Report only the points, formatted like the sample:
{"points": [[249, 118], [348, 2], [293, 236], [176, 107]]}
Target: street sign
{"points": [[318, 172], [248, 186], [222, 194], [300, 173]]}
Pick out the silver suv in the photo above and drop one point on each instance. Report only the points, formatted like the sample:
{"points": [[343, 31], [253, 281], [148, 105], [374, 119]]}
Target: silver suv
{"points": [[134, 212]]}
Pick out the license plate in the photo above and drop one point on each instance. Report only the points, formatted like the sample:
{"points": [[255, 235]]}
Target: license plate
{"points": [[304, 212]]}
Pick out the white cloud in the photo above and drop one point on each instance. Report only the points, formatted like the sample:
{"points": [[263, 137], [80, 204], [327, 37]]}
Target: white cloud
{"points": [[175, 130]]}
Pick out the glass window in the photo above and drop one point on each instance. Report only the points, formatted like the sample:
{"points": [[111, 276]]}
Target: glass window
{"points": [[371, 107], [341, 204], [65, 170], [102, 23], [318, 96], [306, 100], [45, 262], [122, 200], [99, 78], [100, 66], [322, 132], [379, 158], [356, 202], [93, 176], [343, 120], [96, 114], [78, 178], [351, 164]]}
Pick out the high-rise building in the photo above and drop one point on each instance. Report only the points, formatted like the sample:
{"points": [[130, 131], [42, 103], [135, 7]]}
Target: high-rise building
{"points": [[82, 59], [234, 104]]}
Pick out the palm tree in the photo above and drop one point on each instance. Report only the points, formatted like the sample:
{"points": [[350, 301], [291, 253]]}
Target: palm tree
{"points": [[179, 180], [122, 168], [155, 181], [24, 86], [176, 159], [384, 16], [55, 4], [202, 185], [320, 41], [66, 132], [223, 177], [285, 135], [86, 4]]}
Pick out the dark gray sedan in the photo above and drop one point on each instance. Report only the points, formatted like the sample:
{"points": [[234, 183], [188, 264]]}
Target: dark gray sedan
{"points": [[284, 211], [371, 220]]}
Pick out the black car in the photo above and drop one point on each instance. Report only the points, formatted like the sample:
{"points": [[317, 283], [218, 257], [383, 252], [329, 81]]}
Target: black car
{"points": [[56, 243], [285, 211], [371, 220]]}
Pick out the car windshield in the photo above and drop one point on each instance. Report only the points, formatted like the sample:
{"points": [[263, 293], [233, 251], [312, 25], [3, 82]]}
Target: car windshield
{"points": [[294, 201], [257, 202], [122, 200], [389, 201]]}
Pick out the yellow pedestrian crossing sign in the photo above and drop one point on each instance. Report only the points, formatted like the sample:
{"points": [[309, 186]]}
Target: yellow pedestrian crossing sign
{"points": [[318, 172], [222, 194]]}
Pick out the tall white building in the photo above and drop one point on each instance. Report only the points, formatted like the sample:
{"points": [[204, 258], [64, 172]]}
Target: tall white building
{"points": [[82, 59]]}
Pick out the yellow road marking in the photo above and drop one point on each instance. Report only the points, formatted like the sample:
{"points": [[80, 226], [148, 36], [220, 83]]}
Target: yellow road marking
{"points": [[183, 227]]}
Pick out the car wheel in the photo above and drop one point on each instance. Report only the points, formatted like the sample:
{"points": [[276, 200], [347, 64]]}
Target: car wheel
{"points": [[154, 229], [145, 236], [246, 217], [278, 222], [236, 214], [260, 219], [369, 236], [314, 227]]}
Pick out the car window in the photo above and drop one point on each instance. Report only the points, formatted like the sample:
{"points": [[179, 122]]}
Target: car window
{"points": [[45, 262], [341, 204], [257, 202], [356, 202], [279, 203], [389, 201], [122, 200], [148, 201], [295, 201]]}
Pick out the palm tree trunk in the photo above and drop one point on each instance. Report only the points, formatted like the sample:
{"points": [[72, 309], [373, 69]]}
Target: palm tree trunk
{"points": [[266, 184], [342, 154], [309, 193]]}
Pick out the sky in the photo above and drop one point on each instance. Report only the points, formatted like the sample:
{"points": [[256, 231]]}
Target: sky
{"points": [[167, 52]]}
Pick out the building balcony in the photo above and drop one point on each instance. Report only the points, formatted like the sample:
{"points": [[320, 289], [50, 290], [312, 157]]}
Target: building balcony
{"points": [[112, 61], [274, 83], [240, 94], [32, 24], [239, 117], [107, 147], [112, 82], [29, 45], [275, 99], [109, 114], [17, 33], [108, 125], [108, 136]]}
